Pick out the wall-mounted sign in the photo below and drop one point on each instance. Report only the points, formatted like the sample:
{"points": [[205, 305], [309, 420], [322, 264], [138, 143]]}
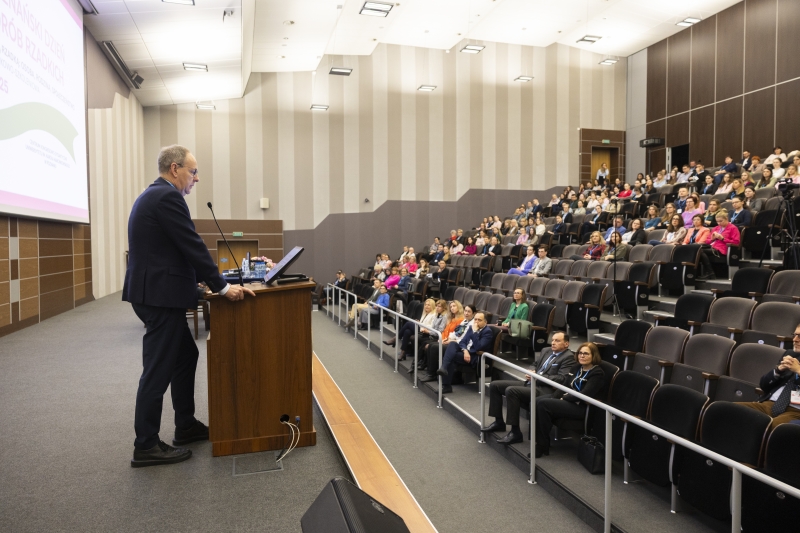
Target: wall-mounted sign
{"points": [[238, 234], [606, 141], [644, 143]]}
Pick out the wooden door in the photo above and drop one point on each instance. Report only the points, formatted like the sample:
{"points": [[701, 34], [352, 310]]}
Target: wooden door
{"points": [[240, 249], [600, 156]]}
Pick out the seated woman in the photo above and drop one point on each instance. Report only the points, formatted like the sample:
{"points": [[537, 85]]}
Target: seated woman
{"points": [[709, 187], [455, 247], [751, 202], [691, 210], [423, 269], [378, 261], [766, 179], [698, 233], [777, 171], [406, 333], [597, 246], [329, 293], [372, 307], [675, 232], [626, 191], [527, 263], [379, 274], [635, 234], [747, 179], [525, 237], [386, 263], [726, 185], [456, 326], [588, 379], [427, 337], [619, 250], [579, 210], [518, 311], [393, 279], [661, 179], [721, 239], [470, 248], [592, 202], [651, 219], [669, 212], [737, 188], [709, 218], [410, 263], [791, 173]]}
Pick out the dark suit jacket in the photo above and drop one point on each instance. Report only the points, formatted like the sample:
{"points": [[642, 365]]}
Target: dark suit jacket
{"points": [[639, 237], [708, 189], [592, 385], [536, 209], [743, 219], [166, 256], [559, 228], [771, 382], [437, 257], [567, 218], [496, 250], [482, 341], [559, 369]]}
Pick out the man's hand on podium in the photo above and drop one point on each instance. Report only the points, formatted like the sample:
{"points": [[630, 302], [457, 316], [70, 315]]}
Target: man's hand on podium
{"points": [[237, 292]]}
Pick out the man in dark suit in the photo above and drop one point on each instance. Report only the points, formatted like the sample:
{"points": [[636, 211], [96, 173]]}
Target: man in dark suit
{"points": [[166, 259], [439, 278], [566, 215], [555, 363], [781, 385], [746, 160], [478, 339]]}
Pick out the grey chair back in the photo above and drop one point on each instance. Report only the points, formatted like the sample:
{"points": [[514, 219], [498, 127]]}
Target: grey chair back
{"points": [[765, 193], [656, 234], [579, 268], [662, 253], [785, 285], [497, 282], [460, 293], [509, 283], [562, 268], [640, 253], [732, 312], [553, 289], [751, 361], [481, 300], [523, 282], [537, 286], [470, 297], [665, 343], [597, 270], [779, 318], [570, 250], [709, 353]]}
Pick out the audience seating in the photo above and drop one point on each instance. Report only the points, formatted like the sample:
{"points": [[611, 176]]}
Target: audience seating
{"points": [[728, 429], [571, 293], [773, 324], [583, 316], [784, 287], [561, 269], [626, 342], [747, 283], [679, 272], [633, 293], [748, 363], [663, 347], [691, 307], [640, 252], [542, 316], [727, 316], [631, 393], [594, 421], [705, 359], [674, 409]]}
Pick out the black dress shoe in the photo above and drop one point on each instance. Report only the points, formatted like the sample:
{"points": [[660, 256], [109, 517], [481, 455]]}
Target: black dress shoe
{"points": [[540, 451], [196, 432], [494, 426], [511, 438], [390, 342], [447, 389], [410, 369], [426, 378], [441, 371], [160, 454]]}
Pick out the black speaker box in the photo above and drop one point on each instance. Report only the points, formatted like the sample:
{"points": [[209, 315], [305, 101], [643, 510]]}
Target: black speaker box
{"points": [[342, 507]]}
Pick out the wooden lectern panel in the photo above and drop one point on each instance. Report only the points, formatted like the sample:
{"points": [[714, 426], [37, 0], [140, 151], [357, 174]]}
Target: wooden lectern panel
{"points": [[259, 368]]}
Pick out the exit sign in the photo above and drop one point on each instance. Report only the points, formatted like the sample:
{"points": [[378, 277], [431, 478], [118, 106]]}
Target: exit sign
{"points": [[238, 234], [606, 141]]}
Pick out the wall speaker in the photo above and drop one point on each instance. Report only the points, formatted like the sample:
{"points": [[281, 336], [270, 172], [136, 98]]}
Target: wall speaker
{"points": [[342, 507]]}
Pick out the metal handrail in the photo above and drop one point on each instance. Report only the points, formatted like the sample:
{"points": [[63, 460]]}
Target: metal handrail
{"points": [[737, 468], [355, 301], [397, 316]]}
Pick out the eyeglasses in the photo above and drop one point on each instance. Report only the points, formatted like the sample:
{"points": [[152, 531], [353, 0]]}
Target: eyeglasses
{"points": [[193, 171], [797, 334], [584, 353]]}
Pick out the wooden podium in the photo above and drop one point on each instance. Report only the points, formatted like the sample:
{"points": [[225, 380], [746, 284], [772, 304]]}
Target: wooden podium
{"points": [[259, 368]]}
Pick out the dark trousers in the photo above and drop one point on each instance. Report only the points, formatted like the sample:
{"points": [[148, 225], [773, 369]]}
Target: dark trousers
{"points": [[515, 394], [406, 337], [710, 255], [548, 410], [169, 359], [432, 355], [454, 355]]}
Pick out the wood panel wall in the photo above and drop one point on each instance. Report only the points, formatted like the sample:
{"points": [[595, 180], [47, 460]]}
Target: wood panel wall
{"points": [[268, 233], [727, 84], [45, 269], [594, 138]]}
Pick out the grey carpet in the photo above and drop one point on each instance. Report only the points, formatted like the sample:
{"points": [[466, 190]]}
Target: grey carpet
{"points": [[461, 484], [67, 392]]}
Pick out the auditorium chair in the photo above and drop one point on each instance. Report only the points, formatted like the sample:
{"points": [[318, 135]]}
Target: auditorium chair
{"points": [[762, 504], [579, 269], [469, 298], [751, 282], [663, 347], [570, 250], [784, 287], [705, 359], [617, 271], [631, 393], [486, 280], [625, 343], [523, 282], [542, 316], [571, 293], [597, 270], [505, 254], [633, 293], [593, 422], [689, 308], [728, 317], [503, 309], [449, 292], [509, 283], [555, 250], [492, 307], [561, 269], [640, 252], [748, 363], [498, 280], [773, 323], [731, 430], [459, 294], [661, 255], [481, 300], [583, 316], [674, 409], [537, 287], [678, 274]]}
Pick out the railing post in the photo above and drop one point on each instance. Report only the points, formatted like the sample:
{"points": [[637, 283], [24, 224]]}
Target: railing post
{"points": [[736, 501], [416, 349], [482, 384], [532, 479], [609, 440], [380, 348], [355, 319], [340, 308], [439, 403], [396, 339]]}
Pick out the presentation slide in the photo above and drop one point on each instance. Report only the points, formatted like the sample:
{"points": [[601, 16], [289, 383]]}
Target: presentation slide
{"points": [[42, 111]]}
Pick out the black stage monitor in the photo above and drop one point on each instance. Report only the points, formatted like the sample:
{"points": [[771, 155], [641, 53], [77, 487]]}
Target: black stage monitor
{"points": [[279, 270]]}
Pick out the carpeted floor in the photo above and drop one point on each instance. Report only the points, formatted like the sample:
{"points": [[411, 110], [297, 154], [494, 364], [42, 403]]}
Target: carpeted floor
{"points": [[67, 391]]}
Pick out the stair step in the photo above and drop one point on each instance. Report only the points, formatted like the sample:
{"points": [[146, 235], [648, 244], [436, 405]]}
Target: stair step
{"points": [[605, 338]]}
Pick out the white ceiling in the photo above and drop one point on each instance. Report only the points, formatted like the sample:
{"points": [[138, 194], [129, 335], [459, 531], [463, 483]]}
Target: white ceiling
{"points": [[155, 38]]}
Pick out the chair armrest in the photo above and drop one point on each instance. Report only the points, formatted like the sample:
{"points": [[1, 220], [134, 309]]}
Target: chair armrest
{"points": [[569, 302], [628, 353], [591, 306], [641, 284], [659, 317], [759, 391], [665, 364], [687, 264], [710, 376], [661, 262], [735, 330], [796, 298], [550, 299], [601, 344], [717, 291], [755, 294], [781, 338], [595, 280], [538, 328], [694, 323]]}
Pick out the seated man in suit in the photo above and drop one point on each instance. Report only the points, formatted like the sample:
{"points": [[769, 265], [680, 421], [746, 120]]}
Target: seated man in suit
{"points": [[616, 227], [555, 363], [566, 214], [728, 168], [478, 339], [543, 265], [438, 280], [356, 309], [781, 386]]}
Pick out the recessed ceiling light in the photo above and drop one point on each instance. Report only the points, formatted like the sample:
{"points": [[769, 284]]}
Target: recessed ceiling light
{"points": [[591, 39], [340, 71], [182, 2], [376, 9], [428, 88], [472, 49], [319, 107], [691, 20], [288, 23], [195, 66], [206, 106], [608, 61], [684, 24], [523, 78]]}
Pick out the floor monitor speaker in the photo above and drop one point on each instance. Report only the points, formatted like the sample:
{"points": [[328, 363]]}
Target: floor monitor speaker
{"points": [[342, 507]]}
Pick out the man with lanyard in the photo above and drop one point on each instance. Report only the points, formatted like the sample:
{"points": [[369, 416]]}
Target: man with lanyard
{"points": [[555, 363], [617, 226], [781, 386], [680, 201]]}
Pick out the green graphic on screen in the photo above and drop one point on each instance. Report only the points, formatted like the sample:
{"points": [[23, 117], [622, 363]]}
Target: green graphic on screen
{"points": [[22, 118]]}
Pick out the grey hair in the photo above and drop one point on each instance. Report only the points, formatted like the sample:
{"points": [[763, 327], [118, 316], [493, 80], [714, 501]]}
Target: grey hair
{"points": [[171, 154]]}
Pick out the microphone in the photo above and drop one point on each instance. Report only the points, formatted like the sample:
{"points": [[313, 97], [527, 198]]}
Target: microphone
{"points": [[241, 280]]}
